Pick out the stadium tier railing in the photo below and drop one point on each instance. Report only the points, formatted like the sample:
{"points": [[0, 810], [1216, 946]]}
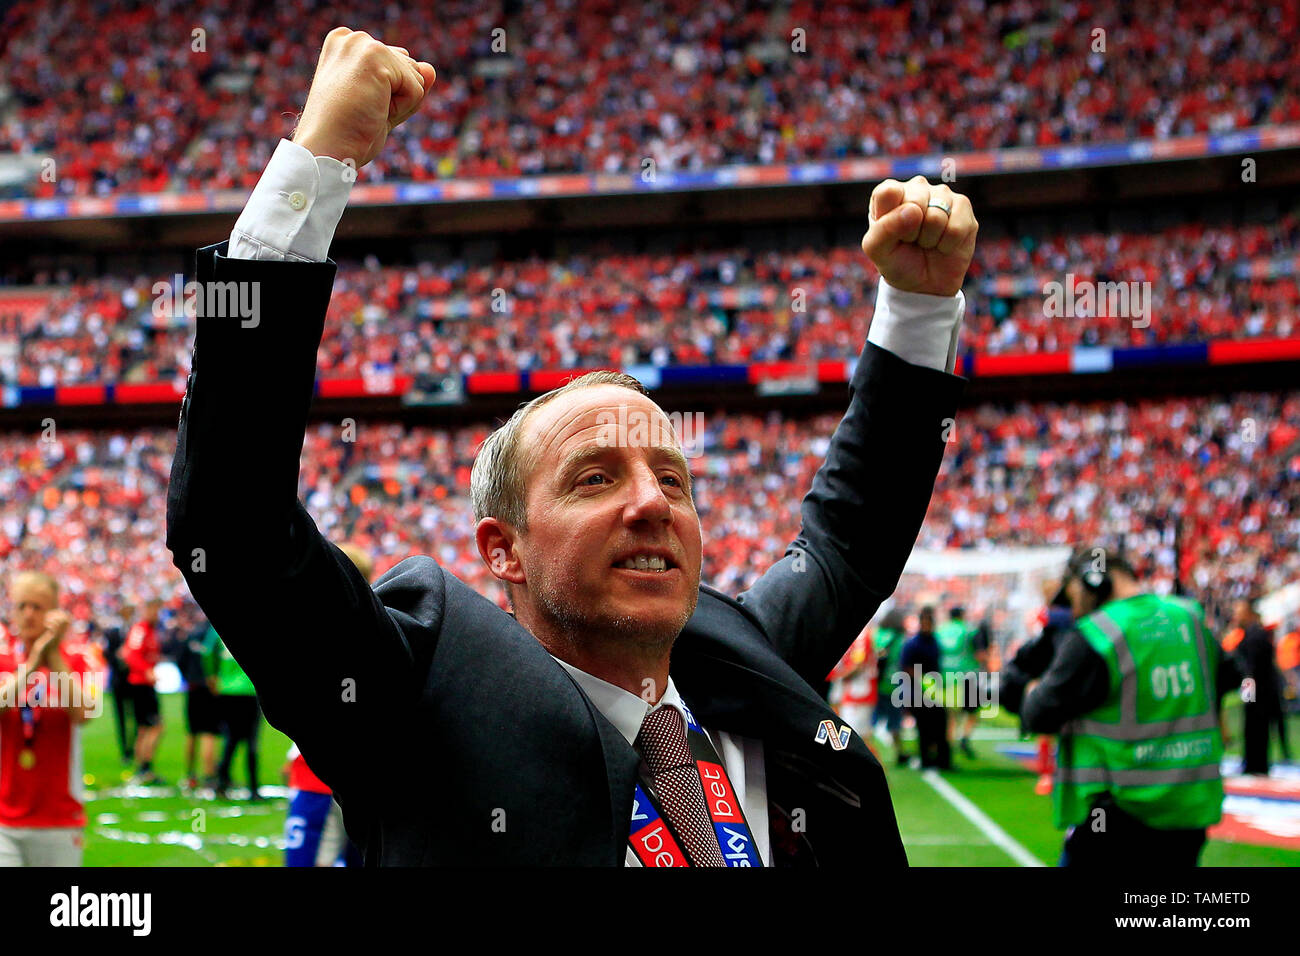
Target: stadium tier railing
{"points": [[789, 377], [578, 185]]}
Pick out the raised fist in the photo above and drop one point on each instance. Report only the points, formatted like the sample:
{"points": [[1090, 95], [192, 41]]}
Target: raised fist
{"points": [[921, 237], [363, 89]]}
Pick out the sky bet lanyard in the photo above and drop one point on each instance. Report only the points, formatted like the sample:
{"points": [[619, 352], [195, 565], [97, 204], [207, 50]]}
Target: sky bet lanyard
{"points": [[651, 836]]}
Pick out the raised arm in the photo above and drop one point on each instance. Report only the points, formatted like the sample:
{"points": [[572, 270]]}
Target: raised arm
{"points": [[862, 514], [328, 658]]}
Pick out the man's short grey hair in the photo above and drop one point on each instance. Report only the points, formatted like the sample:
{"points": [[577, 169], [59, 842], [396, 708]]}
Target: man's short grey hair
{"points": [[496, 482]]}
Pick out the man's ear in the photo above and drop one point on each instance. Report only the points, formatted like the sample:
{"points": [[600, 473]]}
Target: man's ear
{"points": [[496, 546]]}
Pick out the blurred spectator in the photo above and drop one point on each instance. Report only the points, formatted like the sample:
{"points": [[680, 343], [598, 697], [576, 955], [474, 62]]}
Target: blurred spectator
{"points": [[141, 653], [237, 709], [1262, 695]]}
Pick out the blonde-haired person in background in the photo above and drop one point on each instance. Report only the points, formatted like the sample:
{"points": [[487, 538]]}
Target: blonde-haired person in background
{"points": [[45, 695]]}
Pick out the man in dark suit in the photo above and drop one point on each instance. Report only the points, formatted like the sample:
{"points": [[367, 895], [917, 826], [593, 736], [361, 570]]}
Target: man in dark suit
{"points": [[455, 733]]}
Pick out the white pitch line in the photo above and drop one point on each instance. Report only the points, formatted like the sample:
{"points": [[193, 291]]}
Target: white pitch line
{"points": [[979, 733], [980, 819], [933, 840]]}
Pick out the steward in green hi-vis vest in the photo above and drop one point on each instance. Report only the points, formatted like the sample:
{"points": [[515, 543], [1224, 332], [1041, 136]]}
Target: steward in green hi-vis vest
{"points": [[956, 647], [1154, 745]]}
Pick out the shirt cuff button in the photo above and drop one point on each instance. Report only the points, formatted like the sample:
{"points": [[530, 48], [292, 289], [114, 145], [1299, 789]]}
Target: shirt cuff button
{"points": [[297, 200]]}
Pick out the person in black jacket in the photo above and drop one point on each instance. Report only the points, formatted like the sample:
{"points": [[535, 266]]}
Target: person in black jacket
{"points": [[1261, 704], [1035, 656], [920, 664], [455, 733], [113, 638], [202, 715]]}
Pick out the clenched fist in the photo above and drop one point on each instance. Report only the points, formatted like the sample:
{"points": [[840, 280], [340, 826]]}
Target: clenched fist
{"points": [[921, 237], [362, 91]]}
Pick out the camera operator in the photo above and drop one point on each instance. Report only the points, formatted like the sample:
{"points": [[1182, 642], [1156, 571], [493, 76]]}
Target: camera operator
{"points": [[1133, 689]]}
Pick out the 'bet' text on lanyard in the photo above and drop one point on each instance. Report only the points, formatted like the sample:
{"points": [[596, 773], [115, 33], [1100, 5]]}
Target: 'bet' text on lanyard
{"points": [[651, 837]]}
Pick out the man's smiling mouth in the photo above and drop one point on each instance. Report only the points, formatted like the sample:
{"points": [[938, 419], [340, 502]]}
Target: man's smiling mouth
{"points": [[646, 561]]}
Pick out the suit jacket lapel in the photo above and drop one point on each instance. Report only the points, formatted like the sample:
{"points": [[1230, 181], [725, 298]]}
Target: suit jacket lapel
{"points": [[742, 700], [727, 694], [621, 763]]}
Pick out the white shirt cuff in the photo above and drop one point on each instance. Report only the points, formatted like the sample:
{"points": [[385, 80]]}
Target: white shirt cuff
{"points": [[295, 207], [918, 328]]}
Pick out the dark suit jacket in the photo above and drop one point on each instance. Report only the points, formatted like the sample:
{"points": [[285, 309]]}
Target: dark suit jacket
{"points": [[448, 733], [1256, 658], [921, 648]]}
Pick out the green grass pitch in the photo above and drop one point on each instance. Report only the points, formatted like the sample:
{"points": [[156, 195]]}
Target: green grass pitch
{"points": [[124, 829], [189, 830]]}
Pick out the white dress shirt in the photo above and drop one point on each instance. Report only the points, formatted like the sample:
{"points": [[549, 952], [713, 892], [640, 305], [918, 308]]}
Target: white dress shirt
{"points": [[293, 213]]}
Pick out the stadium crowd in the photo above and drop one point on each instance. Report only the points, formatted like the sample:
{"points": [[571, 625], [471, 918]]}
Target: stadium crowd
{"points": [[728, 306], [88, 507], [170, 96]]}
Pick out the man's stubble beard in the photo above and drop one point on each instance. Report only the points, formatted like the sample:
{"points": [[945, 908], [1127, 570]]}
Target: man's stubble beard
{"points": [[583, 629]]}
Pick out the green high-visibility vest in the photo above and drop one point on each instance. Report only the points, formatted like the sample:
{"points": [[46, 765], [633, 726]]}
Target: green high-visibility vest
{"points": [[956, 649], [218, 662], [1154, 745], [888, 643]]}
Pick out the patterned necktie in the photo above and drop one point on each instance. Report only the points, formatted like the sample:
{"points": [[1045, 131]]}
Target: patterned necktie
{"points": [[662, 743]]}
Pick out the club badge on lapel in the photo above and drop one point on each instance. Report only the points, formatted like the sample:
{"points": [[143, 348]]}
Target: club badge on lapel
{"points": [[839, 739]]}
